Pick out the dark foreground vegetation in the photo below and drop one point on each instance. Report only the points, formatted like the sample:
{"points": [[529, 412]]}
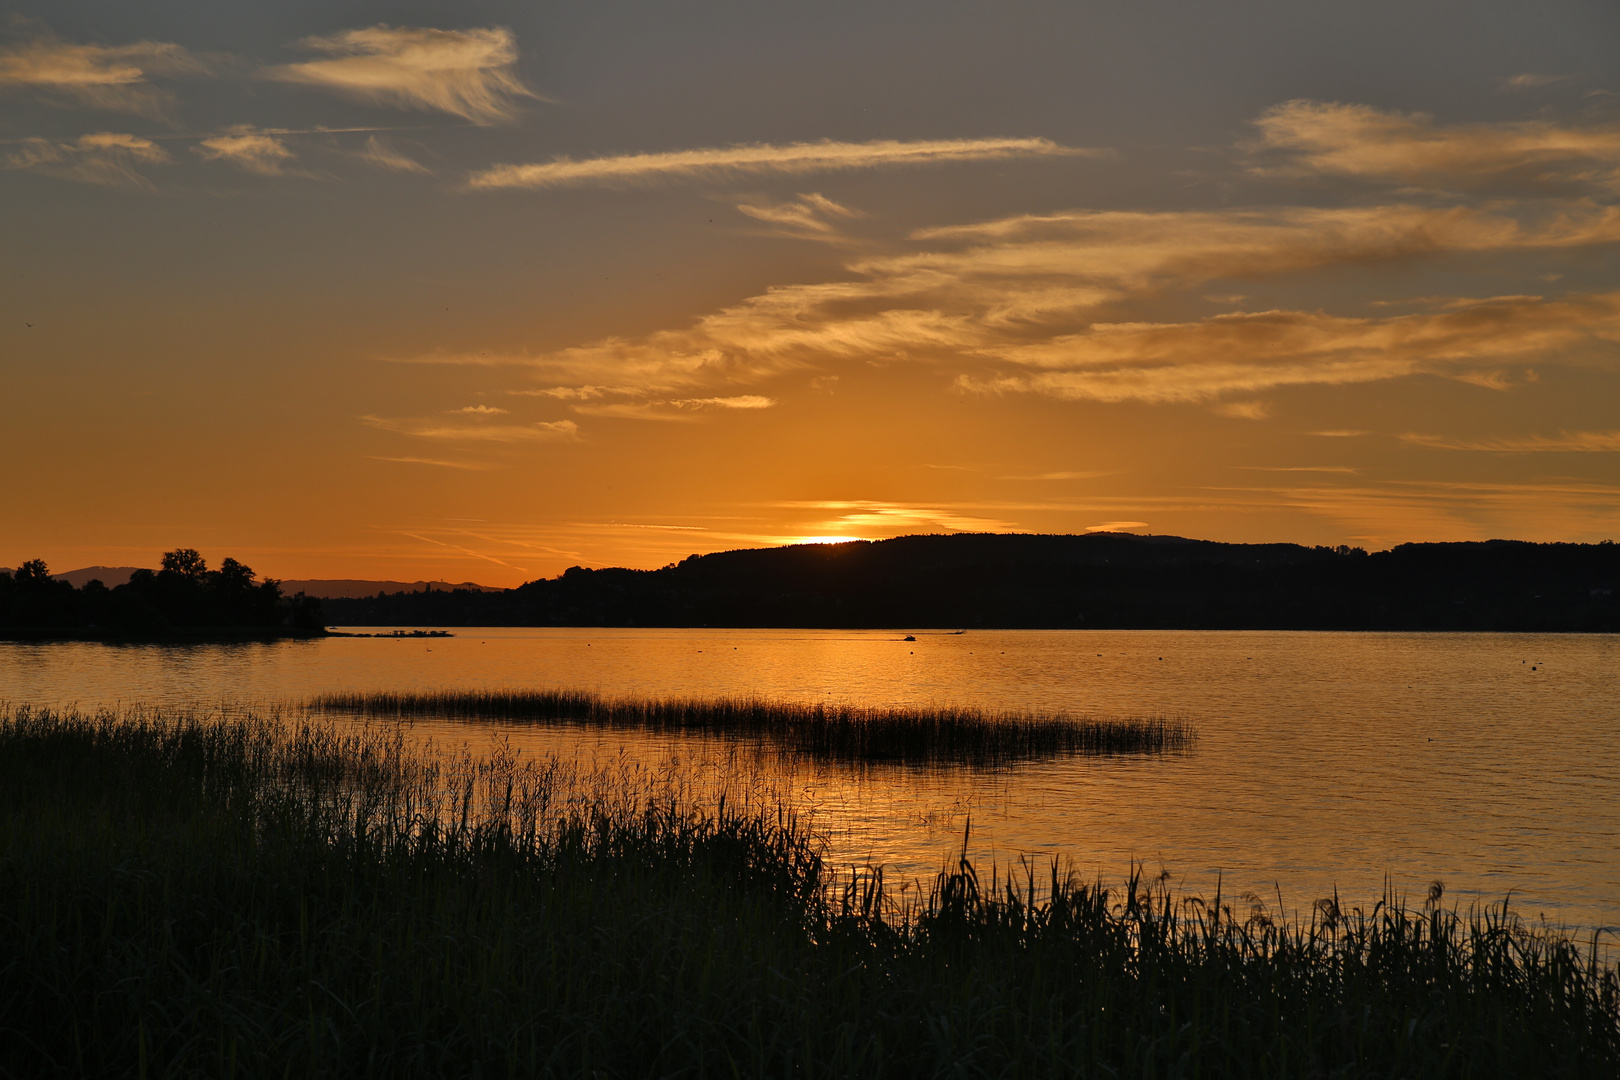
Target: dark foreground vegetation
{"points": [[244, 898], [922, 735], [1098, 581], [184, 599]]}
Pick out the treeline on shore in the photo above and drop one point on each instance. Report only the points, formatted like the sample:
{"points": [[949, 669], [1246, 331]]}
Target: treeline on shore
{"points": [[183, 598], [1100, 580], [192, 897]]}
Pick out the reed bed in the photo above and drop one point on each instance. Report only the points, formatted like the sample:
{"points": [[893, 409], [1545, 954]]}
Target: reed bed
{"points": [[183, 896], [923, 735]]}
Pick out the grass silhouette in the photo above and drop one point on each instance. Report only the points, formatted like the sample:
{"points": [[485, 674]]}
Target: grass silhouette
{"points": [[183, 896], [923, 735]]}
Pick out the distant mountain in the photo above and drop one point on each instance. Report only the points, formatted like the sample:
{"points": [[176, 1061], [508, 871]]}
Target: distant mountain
{"points": [[1094, 581], [110, 576], [351, 588]]}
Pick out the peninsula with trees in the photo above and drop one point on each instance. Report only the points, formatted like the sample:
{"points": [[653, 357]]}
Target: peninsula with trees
{"points": [[1090, 581], [184, 600]]}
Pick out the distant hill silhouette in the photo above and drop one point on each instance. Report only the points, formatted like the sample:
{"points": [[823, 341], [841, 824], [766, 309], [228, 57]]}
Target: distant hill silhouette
{"points": [[350, 588], [110, 576], [1097, 580]]}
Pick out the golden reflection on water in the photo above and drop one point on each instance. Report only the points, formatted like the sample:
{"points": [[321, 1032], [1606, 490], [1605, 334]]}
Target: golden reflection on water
{"points": [[1490, 762]]}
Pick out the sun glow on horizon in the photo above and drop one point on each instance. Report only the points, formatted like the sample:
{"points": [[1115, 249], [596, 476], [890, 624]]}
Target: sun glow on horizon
{"points": [[827, 539]]}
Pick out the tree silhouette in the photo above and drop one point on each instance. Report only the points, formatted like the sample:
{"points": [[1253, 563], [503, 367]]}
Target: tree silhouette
{"points": [[186, 563], [183, 597]]}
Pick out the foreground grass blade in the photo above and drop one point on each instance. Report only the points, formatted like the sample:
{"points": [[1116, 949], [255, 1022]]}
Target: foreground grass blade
{"points": [[191, 897]]}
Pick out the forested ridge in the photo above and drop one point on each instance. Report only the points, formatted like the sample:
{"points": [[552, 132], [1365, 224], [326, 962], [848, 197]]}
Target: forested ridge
{"points": [[1099, 580]]}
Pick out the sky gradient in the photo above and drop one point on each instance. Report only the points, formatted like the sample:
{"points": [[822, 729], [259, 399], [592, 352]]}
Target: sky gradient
{"points": [[483, 291]]}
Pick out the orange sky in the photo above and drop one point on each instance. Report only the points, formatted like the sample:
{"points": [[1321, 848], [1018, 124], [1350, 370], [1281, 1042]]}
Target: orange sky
{"points": [[497, 289]]}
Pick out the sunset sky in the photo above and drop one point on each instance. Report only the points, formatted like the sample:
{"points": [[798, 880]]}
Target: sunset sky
{"points": [[481, 291]]}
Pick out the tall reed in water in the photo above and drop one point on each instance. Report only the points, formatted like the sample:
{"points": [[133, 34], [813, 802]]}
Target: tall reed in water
{"points": [[184, 897], [923, 735]]}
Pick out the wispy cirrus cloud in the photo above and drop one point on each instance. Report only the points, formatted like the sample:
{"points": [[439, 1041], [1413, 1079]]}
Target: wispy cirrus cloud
{"points": [[1014, 306], [1248, 353], [681, 410], [254, 151], [1045, 476], [471, 466], [466, 73], [812, 216], [104, 157], [1532, 81], [1441, 510], [552, 431], [865, 518], [1063, 304], [380, 152], [761, 159], [1330, 139], [114, 77], [1244, 410], [1566, 442]]}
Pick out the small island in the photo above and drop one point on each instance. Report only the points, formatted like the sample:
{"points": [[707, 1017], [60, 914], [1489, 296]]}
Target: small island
{"points": [[182, 601]]}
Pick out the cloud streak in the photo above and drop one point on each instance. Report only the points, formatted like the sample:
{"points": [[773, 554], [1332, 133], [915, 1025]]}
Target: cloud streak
{"points": [[1577, 442], [809, 217], [380, 152], [762, 159], [1014, 305], [1332, 139], [1247, 353], [860, 517], [681, 410], [1094, 305], [465, 73], [100, 76], [554, 431], [104, 157], [252, 151]]}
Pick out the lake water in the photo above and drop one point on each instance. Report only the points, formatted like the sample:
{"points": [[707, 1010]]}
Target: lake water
{"points": [[1489, 762]]}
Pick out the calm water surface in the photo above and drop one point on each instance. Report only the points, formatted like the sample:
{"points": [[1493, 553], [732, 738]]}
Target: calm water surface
{"points": [[1490, 762]]}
